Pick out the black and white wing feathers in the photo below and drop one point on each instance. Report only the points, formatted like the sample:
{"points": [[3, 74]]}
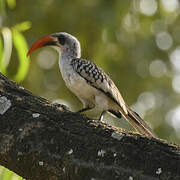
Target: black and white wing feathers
{"points": [[97, 78]]}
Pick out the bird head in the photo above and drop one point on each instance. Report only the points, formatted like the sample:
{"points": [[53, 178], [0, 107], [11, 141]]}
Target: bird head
{"points": [[63, 42]]}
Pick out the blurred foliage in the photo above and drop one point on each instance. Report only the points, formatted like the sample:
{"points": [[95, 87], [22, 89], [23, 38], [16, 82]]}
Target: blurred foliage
{"points": [[12, 35], [135, 41]]}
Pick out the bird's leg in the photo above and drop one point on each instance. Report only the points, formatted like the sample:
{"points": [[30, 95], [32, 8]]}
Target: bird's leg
{"points": [[84, 109], [102, 115]]}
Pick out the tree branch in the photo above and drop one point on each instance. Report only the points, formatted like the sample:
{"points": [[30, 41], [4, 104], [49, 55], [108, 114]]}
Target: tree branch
{"points": [[39, 140]]}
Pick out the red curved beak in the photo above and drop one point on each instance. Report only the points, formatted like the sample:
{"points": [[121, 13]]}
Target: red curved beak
{"points": [[44, 41]]}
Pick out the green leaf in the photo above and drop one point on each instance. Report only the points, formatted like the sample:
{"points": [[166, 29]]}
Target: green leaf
{"points": [[6, 174], [7, 50], [21, 46], [24, 26], [11, 3], [1, 49]]}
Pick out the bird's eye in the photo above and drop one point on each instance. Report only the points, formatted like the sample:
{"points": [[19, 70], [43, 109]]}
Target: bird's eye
{"points": [[61, 39]]}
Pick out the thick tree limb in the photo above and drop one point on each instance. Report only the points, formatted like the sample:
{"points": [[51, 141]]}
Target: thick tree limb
{"points": [[39, 140]]}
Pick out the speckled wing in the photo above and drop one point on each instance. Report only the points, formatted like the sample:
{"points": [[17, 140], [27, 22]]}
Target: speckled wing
{"points": [[97, 78]]}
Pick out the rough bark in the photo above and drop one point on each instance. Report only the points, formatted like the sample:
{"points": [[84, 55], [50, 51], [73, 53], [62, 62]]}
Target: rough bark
{"points": [[39, 140]]}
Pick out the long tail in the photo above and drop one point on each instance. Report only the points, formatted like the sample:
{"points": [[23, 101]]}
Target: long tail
{"points": [[137, 122]]}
